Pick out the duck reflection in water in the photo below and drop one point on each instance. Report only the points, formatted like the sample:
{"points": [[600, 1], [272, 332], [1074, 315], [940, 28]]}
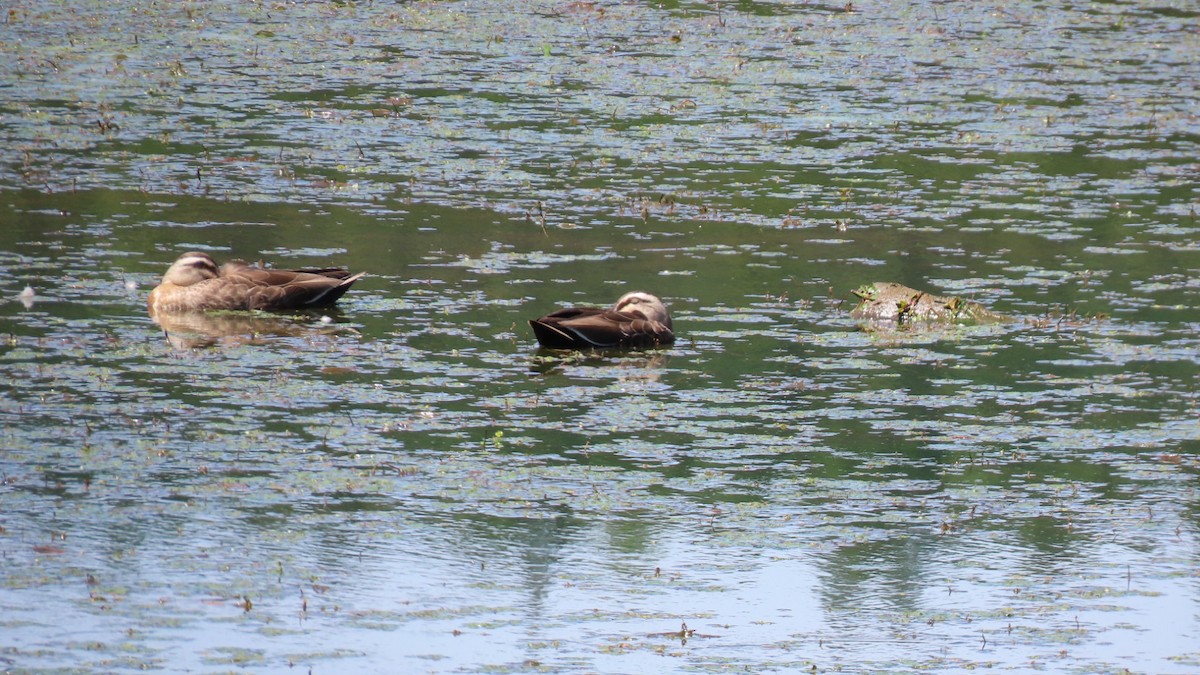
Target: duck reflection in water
{"points": [[637, 321], [198, 303], [198, 330]]}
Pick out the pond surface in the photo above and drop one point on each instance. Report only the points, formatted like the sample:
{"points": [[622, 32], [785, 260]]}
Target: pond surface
{"points": [[410, 485]]}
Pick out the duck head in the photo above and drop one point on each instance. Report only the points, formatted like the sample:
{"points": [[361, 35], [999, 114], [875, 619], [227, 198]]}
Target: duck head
{"points": [[191, 268], [647, 306]]}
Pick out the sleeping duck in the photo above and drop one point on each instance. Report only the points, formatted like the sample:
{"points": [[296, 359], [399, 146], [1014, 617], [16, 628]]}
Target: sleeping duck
{"points": [[638, 321], [195, 283]]}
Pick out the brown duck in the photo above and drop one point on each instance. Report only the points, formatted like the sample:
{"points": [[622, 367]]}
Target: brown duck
{"points": [[638, 321], [195, 283]]}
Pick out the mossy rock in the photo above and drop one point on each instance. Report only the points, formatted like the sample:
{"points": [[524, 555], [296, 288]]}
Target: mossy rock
{"points": [[885, 301]]}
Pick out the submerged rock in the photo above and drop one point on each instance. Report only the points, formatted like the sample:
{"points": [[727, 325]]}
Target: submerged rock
{"points": [[885, 301]]}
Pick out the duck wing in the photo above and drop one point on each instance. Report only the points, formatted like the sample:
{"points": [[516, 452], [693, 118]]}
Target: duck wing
{"points": [[271, 289], [556, 332], [300, 290]]}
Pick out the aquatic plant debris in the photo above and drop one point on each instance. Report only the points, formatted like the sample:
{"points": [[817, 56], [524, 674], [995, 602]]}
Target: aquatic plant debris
{"points": [[886, 301]]}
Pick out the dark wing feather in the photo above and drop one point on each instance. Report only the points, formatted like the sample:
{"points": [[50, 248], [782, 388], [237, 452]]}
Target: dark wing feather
{"points": [[331, 272], [555, 330], [571, 313], [335, 291]]}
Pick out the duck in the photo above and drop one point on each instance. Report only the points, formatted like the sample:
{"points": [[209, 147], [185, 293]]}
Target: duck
{"points": [[638, 320], [194, 283]]}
